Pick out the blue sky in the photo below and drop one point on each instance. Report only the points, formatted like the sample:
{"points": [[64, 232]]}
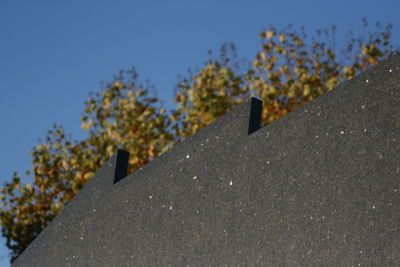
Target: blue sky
{"points": [[53, 53]]}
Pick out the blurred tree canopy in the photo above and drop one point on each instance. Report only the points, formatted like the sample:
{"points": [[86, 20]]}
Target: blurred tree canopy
{"points": [[290, 69]]}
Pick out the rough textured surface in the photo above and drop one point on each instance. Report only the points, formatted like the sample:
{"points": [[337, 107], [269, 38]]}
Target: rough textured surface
{"points": [[320, 187]]}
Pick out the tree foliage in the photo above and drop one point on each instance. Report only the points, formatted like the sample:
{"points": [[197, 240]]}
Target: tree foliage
{"points": [[290, 70]]}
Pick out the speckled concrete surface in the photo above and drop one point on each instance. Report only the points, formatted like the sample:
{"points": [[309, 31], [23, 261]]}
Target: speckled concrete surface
{"points": [[319, 187]]}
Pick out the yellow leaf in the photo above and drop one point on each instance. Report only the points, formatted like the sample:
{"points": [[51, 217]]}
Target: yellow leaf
{"points": [[57, 145], [282, 38], [269, 34], [263, 56], [307, 90]]}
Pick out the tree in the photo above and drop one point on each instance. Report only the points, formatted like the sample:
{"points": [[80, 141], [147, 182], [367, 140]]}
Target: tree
{"points": [[290, 70], [123, 113]]}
